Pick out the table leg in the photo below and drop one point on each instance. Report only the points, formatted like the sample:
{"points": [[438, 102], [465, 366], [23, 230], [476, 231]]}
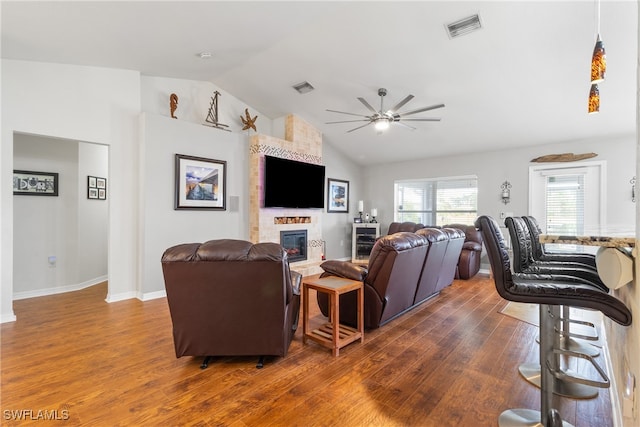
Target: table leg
{"points": [[335, 301], [305, 312], [360, 293]]}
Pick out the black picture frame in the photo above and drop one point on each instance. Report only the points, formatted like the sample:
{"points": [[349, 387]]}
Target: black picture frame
{"points": [[337, 195], [96, 188], [32, 183], [200, 183]]}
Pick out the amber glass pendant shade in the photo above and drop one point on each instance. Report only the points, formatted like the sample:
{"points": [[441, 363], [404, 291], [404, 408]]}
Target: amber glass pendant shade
{"points": [[594, 99], [598, 62]]}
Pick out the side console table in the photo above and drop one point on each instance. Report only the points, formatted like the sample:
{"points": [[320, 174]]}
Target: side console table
{"points": [[333, 335]]}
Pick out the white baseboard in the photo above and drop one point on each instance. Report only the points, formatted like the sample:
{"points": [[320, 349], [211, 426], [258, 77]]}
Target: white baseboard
{"points": [[152, 295], [6, 318], [121, 297], [58, 289]]}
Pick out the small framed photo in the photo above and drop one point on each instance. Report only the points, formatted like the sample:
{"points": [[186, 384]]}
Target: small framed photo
{"points": [[30, 183], [337, 195], [200, 183], [96, 188]]}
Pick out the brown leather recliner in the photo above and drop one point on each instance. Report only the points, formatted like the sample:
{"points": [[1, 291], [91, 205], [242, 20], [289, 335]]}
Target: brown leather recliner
{"points": [[396, 227], [405, 269], [390, 280], [469, 262], [231, 298]]}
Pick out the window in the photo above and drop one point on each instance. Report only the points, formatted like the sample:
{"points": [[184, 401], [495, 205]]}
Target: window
{"points": [[565, 205], [437, 201]]}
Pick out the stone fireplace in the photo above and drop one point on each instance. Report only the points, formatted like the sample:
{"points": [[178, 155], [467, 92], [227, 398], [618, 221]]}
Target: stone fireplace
{"points": [[302, 142], [295, 243]]}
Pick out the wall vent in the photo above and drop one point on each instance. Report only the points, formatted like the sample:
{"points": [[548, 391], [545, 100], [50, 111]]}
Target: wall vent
{"points": [[464, 26]]}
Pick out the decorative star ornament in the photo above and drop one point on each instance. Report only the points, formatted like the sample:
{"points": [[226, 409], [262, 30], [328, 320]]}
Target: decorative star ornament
{"points": [[247, 121]]}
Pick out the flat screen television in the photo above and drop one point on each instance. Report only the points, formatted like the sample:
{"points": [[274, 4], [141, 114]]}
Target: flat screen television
{"points": [[293, 184]]}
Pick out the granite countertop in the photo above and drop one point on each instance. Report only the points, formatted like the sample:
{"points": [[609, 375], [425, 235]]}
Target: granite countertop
{"points": [[609, 242]]}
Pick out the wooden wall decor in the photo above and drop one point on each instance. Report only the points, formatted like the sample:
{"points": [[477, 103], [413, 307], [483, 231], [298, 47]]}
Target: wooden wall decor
{"points": [[173, 104], [564, 157]]}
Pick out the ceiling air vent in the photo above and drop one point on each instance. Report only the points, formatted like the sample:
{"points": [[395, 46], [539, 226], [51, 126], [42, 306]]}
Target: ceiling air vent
{"points": [[304, 87], [464, 26]]}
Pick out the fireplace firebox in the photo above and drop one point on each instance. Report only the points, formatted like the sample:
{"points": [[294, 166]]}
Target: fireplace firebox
{"points": [[295, 243]]}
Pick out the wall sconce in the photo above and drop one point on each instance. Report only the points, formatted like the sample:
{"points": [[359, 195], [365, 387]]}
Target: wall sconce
{"points": [[506, 192], [633, 189]]}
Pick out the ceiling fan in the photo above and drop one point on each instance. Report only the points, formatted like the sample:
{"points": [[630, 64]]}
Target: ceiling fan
{"points": [[383, 118]]}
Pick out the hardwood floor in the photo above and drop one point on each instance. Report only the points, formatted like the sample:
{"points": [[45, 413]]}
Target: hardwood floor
{"points": [[450, 362]]}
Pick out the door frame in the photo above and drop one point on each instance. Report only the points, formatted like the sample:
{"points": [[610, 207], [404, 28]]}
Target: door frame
{"points": [[602, 171]]}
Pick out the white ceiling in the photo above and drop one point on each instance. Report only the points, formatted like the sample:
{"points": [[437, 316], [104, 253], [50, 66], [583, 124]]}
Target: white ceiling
{"points": [[523, 79]]}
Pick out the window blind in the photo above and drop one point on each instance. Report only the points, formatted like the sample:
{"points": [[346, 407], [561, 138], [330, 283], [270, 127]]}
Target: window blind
{"points": [[565, 204], [437, 201]]}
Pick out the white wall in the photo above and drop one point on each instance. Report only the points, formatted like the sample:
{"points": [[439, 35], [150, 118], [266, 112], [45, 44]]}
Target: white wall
{"points": [[337, 227], [93, 215], [493, 168], [85, 104], [162, 226], [194, 100]]}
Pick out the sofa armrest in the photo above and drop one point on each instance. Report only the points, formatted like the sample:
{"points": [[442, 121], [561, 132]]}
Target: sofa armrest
{"points": [[296, 279], [345, 269], [472, 246]]}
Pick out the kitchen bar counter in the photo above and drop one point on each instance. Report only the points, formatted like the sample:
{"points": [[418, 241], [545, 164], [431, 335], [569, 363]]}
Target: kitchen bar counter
{"points": [[607, 242]]}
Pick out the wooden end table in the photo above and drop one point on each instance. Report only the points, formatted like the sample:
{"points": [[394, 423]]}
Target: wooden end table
{"points": [[333, 335]]}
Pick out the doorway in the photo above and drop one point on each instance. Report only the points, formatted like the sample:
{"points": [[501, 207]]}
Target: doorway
{"points": [[568, 199], [60, 242]]}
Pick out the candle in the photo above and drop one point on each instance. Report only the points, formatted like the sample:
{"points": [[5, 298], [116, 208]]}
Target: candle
{"points": [[360, 206], [374, 212]]}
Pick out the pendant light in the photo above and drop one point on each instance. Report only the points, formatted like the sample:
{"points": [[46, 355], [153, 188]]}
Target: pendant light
{"points": [[598, 68], [598, 62], [594, 99]]}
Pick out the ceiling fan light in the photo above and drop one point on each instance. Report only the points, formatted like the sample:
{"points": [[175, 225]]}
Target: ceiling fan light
{"points": [[381, 124], [594, 99], [598, 62]]}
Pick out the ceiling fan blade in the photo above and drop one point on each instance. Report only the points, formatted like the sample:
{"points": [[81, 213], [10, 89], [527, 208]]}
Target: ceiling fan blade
{"points": [[420, 110], [347, 121], [366, 104], [406, 125], [359, 127], [401, 103], [344, 112], [432, 119]]}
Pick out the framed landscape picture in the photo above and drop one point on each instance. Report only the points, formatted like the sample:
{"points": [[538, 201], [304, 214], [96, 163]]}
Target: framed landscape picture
{"points": [[337, 195], [200, 183], [29, 183]]}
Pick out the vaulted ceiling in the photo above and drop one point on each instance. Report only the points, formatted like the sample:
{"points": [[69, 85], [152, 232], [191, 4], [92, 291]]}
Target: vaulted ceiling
{"points": [[522, 79]]}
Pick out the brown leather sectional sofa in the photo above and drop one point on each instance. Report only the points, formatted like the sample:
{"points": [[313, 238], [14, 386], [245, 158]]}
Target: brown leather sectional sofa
{"points": [[404, 270], [231, 298], [469, 262]]}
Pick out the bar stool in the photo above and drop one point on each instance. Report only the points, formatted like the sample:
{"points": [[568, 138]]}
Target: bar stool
{"points": [[539, 253], [550, 294], [524, 262]]}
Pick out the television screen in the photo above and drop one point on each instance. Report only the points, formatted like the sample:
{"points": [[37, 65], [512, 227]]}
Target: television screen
{"points": [[293, 184]]}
